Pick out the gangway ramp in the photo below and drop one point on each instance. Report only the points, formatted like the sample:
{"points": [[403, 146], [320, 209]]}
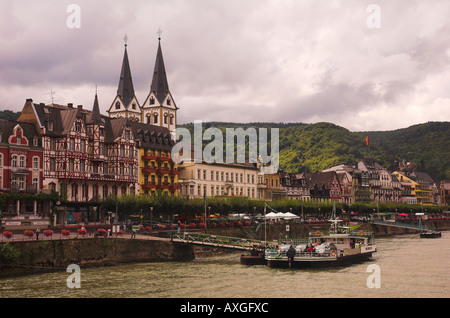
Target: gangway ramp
{"points": [[217, 241], [396, 224]]}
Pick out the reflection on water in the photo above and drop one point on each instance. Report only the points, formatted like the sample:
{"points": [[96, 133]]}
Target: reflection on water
{"points": [[410, 267]]}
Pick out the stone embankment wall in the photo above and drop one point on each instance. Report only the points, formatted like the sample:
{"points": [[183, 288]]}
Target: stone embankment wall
{"points": [[37, 256]]}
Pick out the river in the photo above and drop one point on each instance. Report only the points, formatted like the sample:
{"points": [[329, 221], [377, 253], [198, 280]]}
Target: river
{"points": [[409, 267]]}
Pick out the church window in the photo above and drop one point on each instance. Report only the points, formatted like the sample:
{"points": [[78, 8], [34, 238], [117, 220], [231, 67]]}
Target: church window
{"points": [[152, 101], [117, 105], [155, 118]]}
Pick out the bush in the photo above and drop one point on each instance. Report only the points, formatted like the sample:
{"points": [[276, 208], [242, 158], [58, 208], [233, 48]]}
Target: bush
{"points": [[9, 255]]}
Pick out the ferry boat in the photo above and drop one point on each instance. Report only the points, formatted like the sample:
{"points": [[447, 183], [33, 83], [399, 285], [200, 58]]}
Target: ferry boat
{"points": [[337, 248], [430, 234]]}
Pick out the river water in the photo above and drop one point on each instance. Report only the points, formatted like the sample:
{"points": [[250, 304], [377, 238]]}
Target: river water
{"points": [[409, 267]]}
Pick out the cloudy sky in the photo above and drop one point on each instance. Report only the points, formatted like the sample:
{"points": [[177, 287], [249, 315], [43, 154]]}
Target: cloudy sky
{"points": [[241, 61]]}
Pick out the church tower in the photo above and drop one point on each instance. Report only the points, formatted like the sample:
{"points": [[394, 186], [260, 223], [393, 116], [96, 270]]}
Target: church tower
{"points": [[125, 104], [159, 107]]}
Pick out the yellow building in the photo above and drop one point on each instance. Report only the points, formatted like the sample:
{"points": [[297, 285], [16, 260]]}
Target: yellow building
{"points": [[158, 174], [421, 188]]}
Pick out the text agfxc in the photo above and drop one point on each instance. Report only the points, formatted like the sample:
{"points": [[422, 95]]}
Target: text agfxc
{"points": [[229, 307]]}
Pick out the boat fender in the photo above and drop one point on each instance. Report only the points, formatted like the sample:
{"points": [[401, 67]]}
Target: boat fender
{"points": [[318, 233], [361, 233]]}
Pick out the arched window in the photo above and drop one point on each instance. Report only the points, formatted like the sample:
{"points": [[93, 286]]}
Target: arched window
{"points": [[155, 118], [117, 105]]}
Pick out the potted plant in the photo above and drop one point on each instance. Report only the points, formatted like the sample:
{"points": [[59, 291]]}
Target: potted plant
{"points": [[82, 231], [7, 234], [28, 233], [101, 232], [48, 233], [65, 233]]}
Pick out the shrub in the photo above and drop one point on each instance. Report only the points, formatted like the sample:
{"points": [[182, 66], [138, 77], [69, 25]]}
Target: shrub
{"points": [[8, 254]]}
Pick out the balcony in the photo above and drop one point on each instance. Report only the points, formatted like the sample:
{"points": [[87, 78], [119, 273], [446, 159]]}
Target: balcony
{"points": [[163, 158], [149, 156], [20, 170], [164, 171], [149, 170], [164, 185], [149, 185]]}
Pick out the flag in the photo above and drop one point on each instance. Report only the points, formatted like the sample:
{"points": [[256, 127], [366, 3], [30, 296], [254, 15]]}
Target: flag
{"points": [[367, 140]]}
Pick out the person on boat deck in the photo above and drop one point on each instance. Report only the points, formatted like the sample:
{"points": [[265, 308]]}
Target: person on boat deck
{"points": [[291, 253], [352, 243], [310, 248]]}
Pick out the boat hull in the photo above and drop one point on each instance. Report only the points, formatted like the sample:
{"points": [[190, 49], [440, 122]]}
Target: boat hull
{"points": [[430, 235], [253, 260], [317, 262]]}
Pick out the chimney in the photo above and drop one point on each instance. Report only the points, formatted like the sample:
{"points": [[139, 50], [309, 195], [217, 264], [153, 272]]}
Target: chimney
{"points": [[70, 105], [80, 106]]}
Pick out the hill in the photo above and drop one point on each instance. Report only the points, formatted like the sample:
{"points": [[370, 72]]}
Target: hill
{"points": [[314, 147]]}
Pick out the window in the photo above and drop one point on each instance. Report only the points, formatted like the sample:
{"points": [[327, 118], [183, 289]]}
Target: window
{"points": [[52, 144], [77, 126], [122, 150], [198, 173], [35, 163], [72, 144], [82, 166], [50, 125], [133, 106], [22, 161], [83, 146], [35, 141], [155, 118], [35, 183], [71, 165], [168, 101], [21, 183], [1, 160], [105, 191], [165, 118], [152, 101], [171, 120], [52, 164], [117, 105]]}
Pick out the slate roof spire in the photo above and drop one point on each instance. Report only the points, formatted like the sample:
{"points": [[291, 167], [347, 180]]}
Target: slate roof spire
{"points": [[159, 85], [126, 89], [96, 117]]}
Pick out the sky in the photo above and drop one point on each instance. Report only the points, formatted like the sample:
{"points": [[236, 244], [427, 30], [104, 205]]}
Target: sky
{"points": [[363, 65]]}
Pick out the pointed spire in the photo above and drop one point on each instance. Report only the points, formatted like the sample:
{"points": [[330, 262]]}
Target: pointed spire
{"points": [[96, 117], [160, 85], [126, 89]]}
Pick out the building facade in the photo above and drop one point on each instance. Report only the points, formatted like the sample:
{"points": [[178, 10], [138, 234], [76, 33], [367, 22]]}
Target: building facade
{"points": [[218, 179]]}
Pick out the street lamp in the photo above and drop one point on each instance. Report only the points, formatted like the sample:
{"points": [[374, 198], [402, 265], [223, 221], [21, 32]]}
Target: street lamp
{"points": [[151, 219]]}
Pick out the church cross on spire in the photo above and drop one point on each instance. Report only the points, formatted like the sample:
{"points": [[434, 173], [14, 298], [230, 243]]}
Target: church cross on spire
{"points": [[159, 32]]}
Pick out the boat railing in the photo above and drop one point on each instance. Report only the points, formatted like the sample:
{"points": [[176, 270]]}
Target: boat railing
{"points": [[282, 254]]}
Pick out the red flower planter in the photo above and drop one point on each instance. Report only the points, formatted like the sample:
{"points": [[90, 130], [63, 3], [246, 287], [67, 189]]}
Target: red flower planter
{"points": [[82, 232], [102, 232], [192, 225], [213, 225], [7, 234], [201, 225], [28, 233], [48, 233], [65, 232]]}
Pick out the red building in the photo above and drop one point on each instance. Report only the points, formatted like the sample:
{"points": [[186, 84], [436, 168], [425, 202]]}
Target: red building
{"points": [[22, 174]]}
